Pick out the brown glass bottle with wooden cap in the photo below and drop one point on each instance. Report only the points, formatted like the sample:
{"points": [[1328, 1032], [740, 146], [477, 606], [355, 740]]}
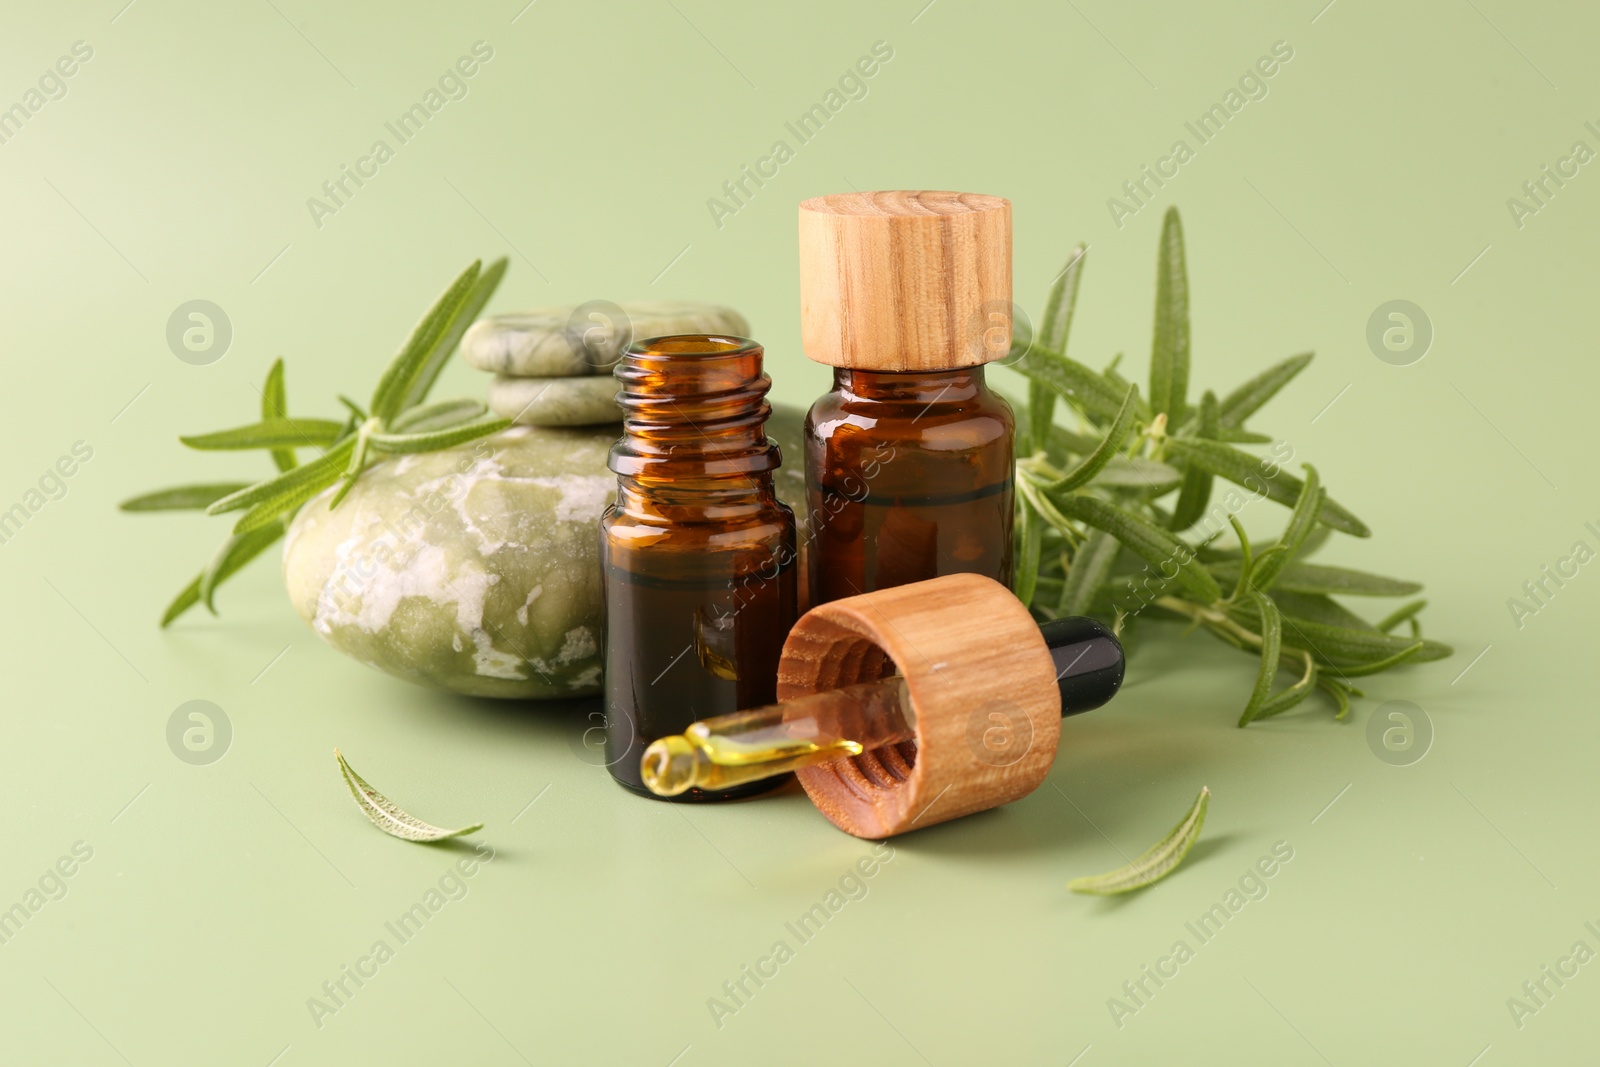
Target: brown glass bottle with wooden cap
{"points": [[909, 459], [698, 554]]}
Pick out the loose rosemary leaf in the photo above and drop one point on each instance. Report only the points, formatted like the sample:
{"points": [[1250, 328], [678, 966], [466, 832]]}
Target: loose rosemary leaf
{"points": [[1091, 567], [1169, 350], [1246, 400], [1155, 546], [1161, 859], [387, 816], [275, 405], [400, 378], [182, 497], [1271, 647], [1242, 468], [464, 316], [273, 434], [1053, 333], [1196, 492], [434, 440], [1302, 520]]}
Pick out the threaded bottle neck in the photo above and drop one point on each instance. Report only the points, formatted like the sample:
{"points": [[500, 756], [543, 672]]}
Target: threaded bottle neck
{"points": [[694, 409], [926, 387]]}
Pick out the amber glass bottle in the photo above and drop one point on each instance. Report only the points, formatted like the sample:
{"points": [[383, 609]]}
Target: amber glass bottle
{"points": [[698, 554], [909, 459]]}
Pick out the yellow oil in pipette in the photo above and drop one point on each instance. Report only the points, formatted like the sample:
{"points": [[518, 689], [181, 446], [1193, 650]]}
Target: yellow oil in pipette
{"points": [[750, 745]]}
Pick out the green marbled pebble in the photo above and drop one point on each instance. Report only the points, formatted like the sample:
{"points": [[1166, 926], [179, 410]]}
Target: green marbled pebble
{"points": [[555, 401], [476, 569], [584, 339]]}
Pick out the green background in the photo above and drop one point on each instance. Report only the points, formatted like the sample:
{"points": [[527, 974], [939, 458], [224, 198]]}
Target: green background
{"points": [[219, 898]]}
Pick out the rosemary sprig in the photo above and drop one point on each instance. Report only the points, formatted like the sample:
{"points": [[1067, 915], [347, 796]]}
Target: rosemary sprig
{"points": [[400, 421], [1097, 535]]}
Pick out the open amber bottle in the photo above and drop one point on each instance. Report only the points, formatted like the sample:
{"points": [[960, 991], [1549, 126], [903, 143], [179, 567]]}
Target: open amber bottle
{"points": [[910, 458], [698, 554]]}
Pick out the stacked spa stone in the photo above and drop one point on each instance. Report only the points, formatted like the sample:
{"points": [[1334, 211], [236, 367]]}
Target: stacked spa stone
{"points": [[552, 367], [476, 569]]}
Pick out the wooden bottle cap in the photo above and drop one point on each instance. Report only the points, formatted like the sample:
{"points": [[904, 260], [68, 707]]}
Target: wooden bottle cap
{"points": [[905, 281], [982, 686]]}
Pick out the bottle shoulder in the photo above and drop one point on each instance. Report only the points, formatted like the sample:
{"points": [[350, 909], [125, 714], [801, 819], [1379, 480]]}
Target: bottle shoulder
{"points": [[984, 420]]}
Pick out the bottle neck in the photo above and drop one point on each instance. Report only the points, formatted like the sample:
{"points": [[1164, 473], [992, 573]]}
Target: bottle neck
{"points": [[925, 387], [694, 425]]}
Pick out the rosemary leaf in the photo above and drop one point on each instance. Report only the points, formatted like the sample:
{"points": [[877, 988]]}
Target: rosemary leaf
{"points": [[1235, 436], [1091, 567], [182, 497], [1347, 648], [1053, 332], [1064, 441], [1109, 447], [1159, 861], [1378, 666], [187, 598], [439, 416], [1302, 520], [387, 816], [238, 550], [321, 473], [1283, 700], [1028, 554], [1271, 646], [1169, 350], [1246, 560], [1196, 491], [1154, 545], [1087, 391], [1340, 694], [1150, 477], [1405, 613], [275, 405], [273, 434], [434, 440], [1297, 576], [1249, 397], [1317, 608], [445, 346], [401, 377], [289, 482], [1258, 476]]}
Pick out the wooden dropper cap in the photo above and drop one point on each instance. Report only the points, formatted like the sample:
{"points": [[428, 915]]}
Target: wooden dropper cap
{"points": [[905, 281], [983, 688]]}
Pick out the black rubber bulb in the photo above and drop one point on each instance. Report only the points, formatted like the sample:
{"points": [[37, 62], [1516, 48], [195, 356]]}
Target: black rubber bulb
{"points": [[1088, 660]]}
